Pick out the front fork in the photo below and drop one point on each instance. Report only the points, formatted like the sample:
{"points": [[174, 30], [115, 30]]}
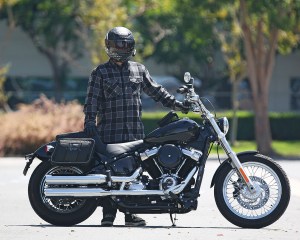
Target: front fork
{"points": [[199, 107], [231, 154], [236, 163]]}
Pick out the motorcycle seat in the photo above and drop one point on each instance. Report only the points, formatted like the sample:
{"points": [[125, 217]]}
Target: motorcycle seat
{"points": [[119, 148]]}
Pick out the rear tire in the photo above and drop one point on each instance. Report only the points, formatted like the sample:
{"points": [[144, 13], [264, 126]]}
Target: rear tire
{"points": [[238, 206], [57, 211]]}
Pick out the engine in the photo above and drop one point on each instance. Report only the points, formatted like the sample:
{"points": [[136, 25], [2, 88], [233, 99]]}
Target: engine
{"points": [[168, 165], [169, 156]]}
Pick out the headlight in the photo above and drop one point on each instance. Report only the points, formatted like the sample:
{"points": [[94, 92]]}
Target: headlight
{"points": [[223, 124]]}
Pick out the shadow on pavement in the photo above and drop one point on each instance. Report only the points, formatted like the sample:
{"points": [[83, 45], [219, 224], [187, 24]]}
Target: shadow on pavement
{"points": [[144, 227]]}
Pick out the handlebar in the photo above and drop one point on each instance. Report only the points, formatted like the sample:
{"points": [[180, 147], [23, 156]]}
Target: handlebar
{"points": [[183, 89], [191, 98]]}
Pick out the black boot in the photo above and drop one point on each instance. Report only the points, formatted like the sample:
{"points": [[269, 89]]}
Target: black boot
{"points": [[109, 212], [108, 220], [134, 221]]}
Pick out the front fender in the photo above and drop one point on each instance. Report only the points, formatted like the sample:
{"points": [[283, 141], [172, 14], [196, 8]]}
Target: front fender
{"points": [[227, 161]]}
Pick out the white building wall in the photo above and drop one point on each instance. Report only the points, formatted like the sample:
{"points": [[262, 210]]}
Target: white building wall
{"points": [[25, 60], [286, 67]]}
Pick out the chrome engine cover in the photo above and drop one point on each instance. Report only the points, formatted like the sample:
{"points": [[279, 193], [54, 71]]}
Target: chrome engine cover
{"points": [[168, 181]]}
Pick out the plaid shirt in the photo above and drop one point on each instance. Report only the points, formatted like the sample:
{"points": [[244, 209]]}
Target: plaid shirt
{"points": [[114, 95]]}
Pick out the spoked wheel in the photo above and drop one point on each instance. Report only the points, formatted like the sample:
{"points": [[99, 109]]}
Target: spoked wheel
{"points": [[57, 211], [253, 209]]}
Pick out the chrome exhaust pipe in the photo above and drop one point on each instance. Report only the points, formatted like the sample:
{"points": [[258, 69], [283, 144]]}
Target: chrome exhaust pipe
{"points": [[99, 192], [89, 179], [73, 180], [95, 192]]}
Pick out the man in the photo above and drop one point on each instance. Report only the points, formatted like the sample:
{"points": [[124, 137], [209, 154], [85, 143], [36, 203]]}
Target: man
{"points": [[114, 96]]}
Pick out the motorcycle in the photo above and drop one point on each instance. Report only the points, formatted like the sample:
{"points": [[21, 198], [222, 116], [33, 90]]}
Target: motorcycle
{"points": [[160, 174]]}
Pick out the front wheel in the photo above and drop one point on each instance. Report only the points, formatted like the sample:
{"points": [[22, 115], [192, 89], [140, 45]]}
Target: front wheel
{"points": [[57, 211], [253, 210]]}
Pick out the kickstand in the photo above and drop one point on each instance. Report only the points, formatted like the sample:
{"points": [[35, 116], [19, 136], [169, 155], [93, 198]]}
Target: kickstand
{"points": [[173, 220]]}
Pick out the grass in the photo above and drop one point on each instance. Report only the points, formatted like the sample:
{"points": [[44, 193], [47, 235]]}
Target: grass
{"points": [[287, 148], [283, 148]]}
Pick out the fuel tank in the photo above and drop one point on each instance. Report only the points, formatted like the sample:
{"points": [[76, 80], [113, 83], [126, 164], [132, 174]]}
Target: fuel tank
{"points": [[182, 130]]}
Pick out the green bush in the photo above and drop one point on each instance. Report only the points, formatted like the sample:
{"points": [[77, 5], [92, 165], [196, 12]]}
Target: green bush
{"points": [[285, 126]]}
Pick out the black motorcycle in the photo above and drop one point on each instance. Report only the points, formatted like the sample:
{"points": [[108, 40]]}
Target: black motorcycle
{"points": [[159, 174]]}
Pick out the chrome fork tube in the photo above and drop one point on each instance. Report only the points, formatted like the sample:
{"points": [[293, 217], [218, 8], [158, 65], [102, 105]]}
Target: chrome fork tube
{"points": [[224, 143]]}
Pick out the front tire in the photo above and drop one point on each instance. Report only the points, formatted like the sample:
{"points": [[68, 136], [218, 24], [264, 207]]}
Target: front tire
{"points": [[246, 209], [57, 211]]}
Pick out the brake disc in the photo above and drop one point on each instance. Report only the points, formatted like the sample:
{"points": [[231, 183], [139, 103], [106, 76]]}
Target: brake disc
{"points": [[256, 199]]}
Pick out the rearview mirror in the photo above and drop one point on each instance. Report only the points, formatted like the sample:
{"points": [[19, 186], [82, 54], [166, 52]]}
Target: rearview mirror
{"points": [[187, 77]]}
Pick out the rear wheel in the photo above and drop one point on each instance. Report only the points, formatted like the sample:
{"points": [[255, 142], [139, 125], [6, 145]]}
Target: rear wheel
{"points": [[57, 211], [260, 208]]}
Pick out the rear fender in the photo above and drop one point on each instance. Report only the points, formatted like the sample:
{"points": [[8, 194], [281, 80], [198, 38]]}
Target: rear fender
{"points": [[228, 161], [43, 153]]}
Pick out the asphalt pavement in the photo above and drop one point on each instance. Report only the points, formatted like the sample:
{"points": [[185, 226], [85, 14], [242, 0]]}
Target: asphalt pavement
{"points": [[19, 221]]}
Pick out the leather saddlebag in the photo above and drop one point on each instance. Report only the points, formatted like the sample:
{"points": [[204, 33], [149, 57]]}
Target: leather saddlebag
{"points": [[73, 151]]}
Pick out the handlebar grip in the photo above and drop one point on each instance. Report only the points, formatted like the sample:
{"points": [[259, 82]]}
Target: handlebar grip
{"points": [[182, 89]]}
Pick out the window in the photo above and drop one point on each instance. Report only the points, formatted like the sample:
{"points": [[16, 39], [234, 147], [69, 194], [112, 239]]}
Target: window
{"points": [[295, 93]]}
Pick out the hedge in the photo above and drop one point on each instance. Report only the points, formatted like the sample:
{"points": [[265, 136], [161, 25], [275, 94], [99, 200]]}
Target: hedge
{"points": [[284, 126]]}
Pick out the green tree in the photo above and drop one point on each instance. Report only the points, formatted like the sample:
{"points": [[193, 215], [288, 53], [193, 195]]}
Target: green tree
{"points": [[268, 27], [64, 30], [230, 37], [3, 96], [97, 17], [178, 34], [52, 26], [5, 6]]}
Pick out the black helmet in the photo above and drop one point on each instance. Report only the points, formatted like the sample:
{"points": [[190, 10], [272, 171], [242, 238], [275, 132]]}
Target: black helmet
{"points": [[120, 43]]}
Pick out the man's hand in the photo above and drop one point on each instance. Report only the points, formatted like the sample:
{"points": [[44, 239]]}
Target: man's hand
{"points": [[179, 106], [90, 129]]}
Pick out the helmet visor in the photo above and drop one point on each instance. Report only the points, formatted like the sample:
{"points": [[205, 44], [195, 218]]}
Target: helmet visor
{"points": [[122, 45]]}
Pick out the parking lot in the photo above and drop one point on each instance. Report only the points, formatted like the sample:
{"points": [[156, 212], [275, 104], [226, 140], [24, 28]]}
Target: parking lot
{"points": [[18, 220]]}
